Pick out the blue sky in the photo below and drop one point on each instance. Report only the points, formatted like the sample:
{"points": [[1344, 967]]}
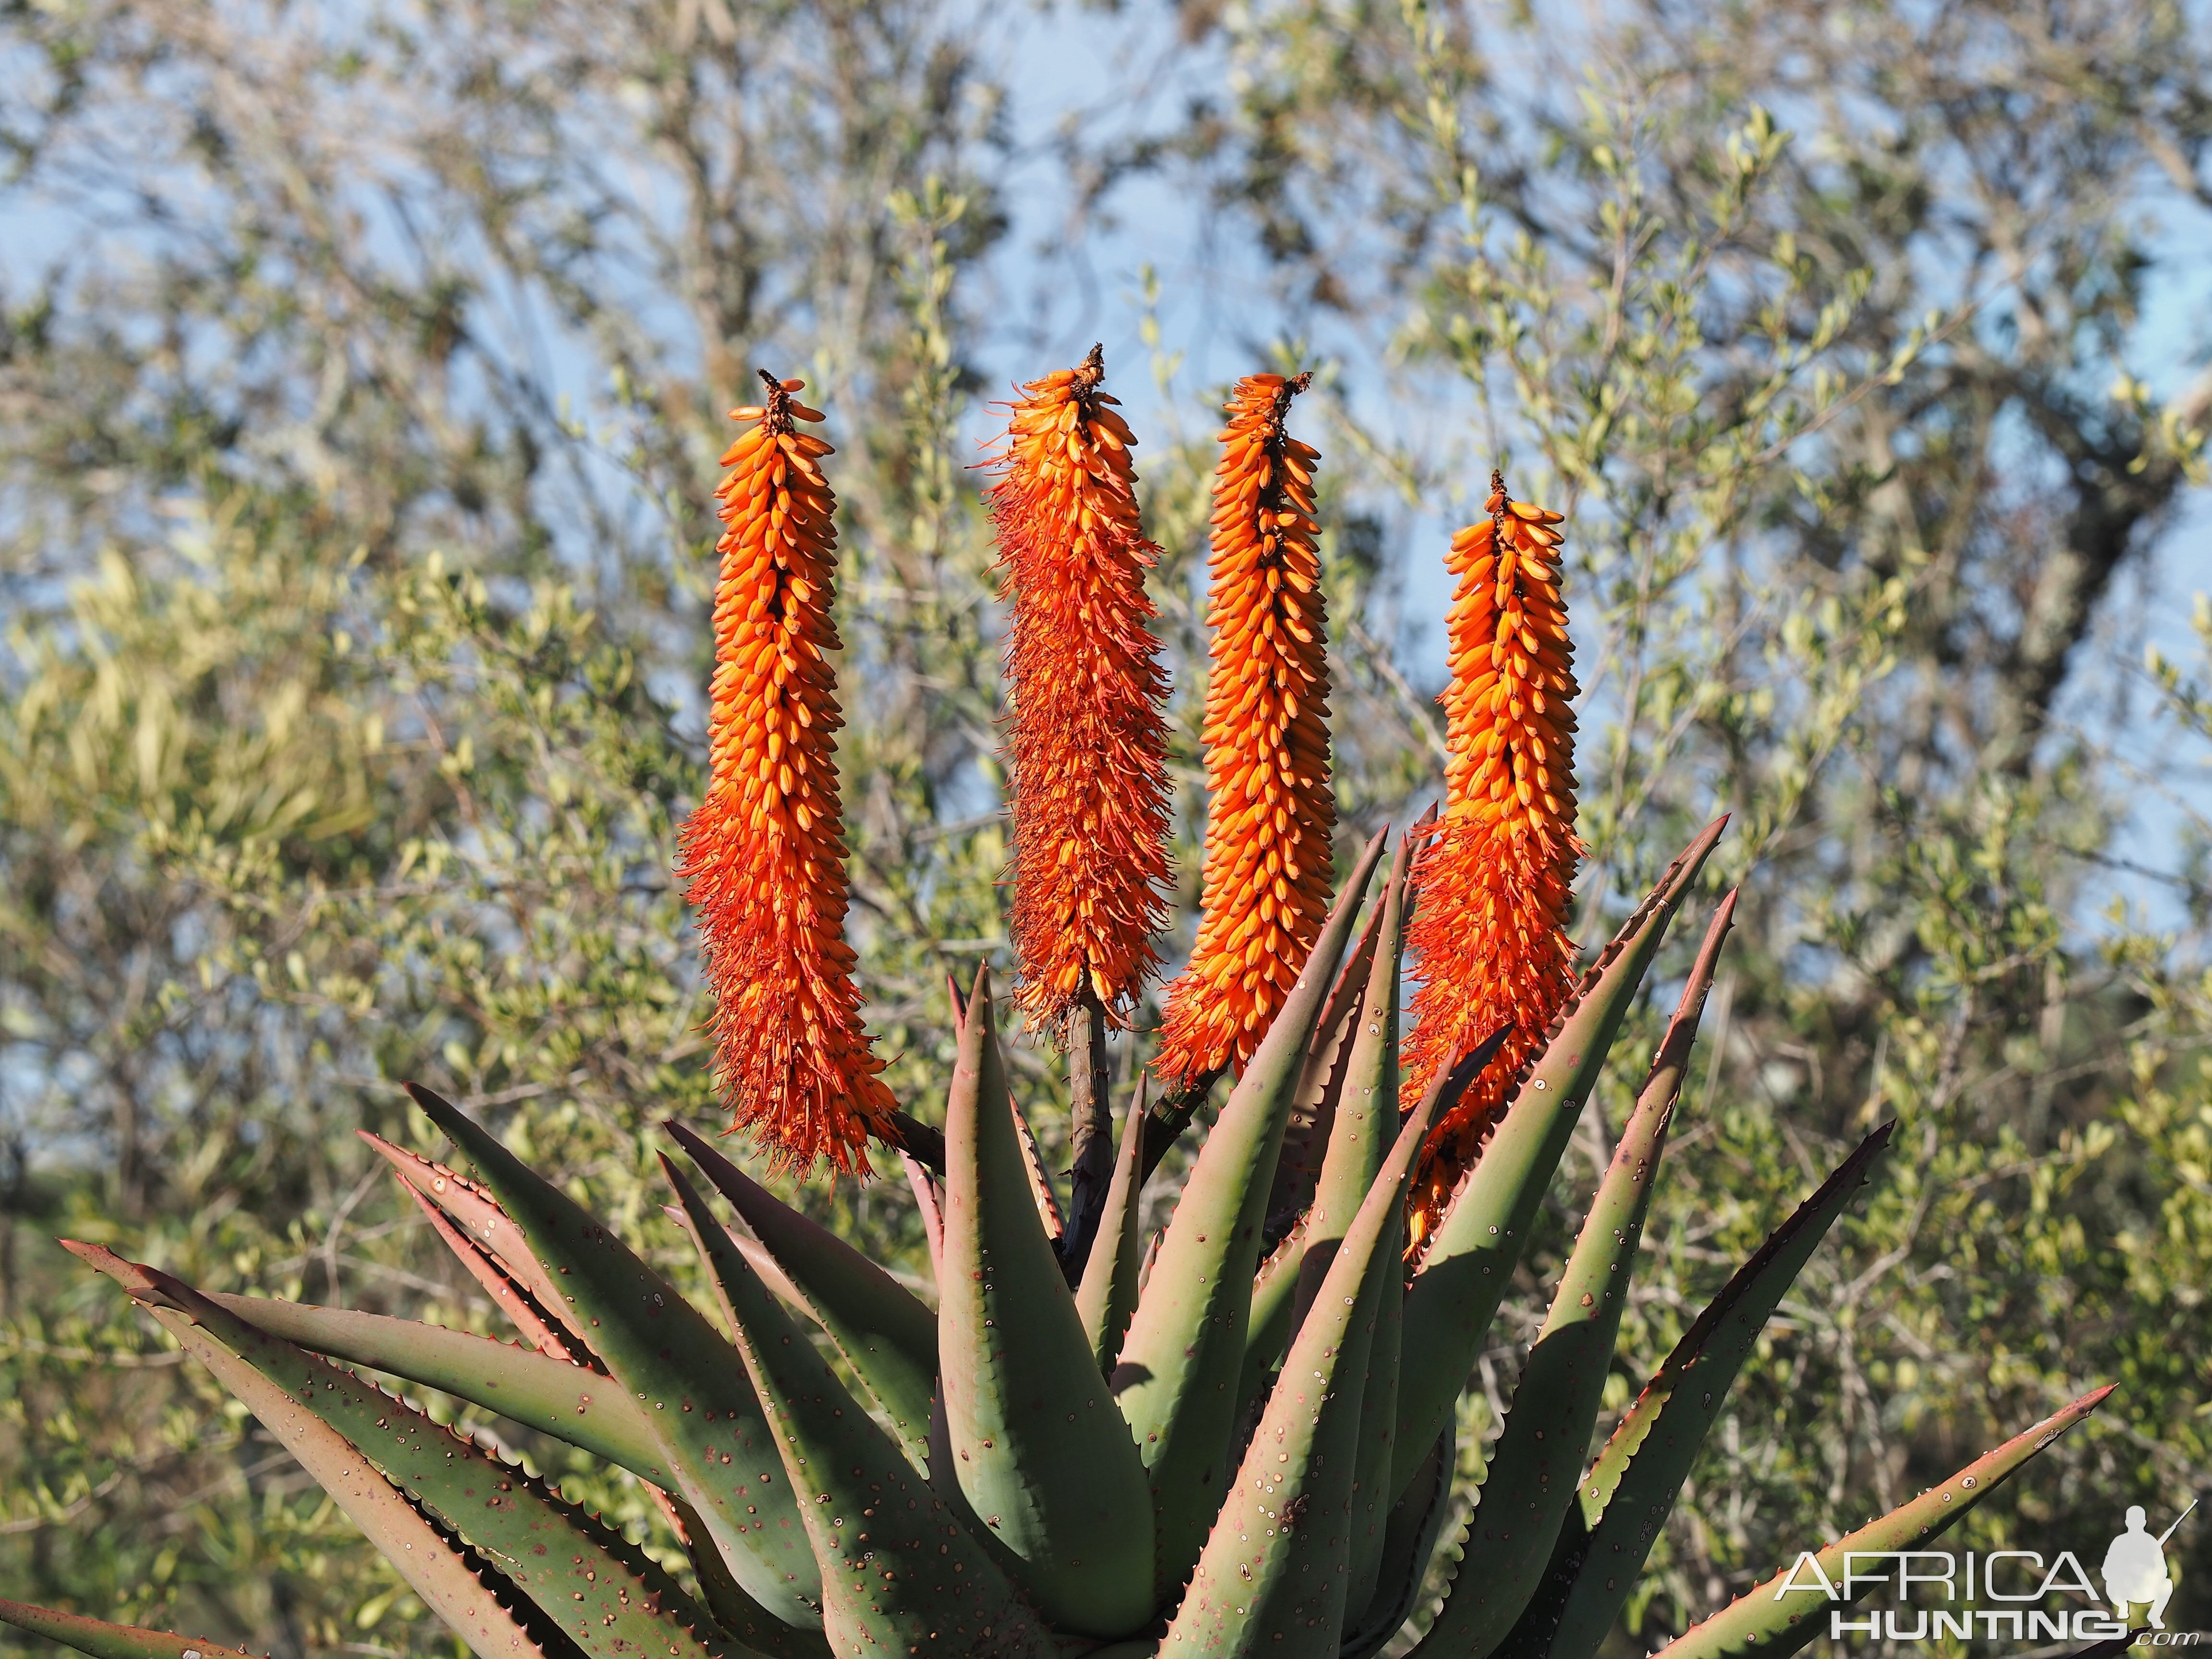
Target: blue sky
{"points": [[1071, 65]]}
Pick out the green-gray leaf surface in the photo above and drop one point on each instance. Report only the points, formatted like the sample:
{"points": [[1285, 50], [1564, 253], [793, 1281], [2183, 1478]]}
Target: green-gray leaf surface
{"points": [[1176, 1378], [1042, 1454]]}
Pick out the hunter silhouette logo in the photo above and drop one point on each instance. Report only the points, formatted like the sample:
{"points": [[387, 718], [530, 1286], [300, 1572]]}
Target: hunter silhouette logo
{"points": [[2135, 1568], [2000, 1595]]}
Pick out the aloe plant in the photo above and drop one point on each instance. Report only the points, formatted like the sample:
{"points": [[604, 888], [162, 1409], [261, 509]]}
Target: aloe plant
{"points": [[1233, 1441], [1033, 1468]]}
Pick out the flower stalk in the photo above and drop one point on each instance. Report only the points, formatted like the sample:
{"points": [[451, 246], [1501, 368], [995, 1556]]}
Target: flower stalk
{"points": [[763, 855], [1272, 815], [1490, 931], [1089, 742]]}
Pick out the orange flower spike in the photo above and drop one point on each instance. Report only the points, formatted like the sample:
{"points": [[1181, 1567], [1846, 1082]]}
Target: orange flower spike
{"points": [[1089, 743], [764, 851], [1268, 870], [1490, 930]]}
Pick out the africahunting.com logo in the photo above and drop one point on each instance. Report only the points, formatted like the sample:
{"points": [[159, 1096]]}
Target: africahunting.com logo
{"points": [[2000, 1595]]}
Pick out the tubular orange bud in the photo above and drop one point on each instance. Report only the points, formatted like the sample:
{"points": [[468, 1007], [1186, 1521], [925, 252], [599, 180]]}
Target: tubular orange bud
{"points": [[1267, 866], [764, 851], [1089, 742], [1490, 931]]}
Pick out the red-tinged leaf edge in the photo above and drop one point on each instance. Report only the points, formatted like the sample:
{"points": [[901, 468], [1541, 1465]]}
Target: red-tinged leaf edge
{"points": [[539, 1327], [883, 1332], [1041, 1190], [929, 1199], [490, 1246], [450, 1578]]}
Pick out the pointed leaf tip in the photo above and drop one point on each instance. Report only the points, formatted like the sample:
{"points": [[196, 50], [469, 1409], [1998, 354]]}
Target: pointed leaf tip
{"points": [[661, 1349], [884, 1333], [1760, 1622]]}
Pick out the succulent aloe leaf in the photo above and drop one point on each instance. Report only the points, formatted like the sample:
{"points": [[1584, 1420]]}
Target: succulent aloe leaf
{"points": [[1308, 1141], [106, 1641], [1041, 1191], [929, 1199], [1267, 1330], [897, 1561], [1108, 1295], [714, 1435], [1771, 1624], [1042, 1453], [885, 1335], [603, 1595], [1272, 1574], [770, 1273], [1320, 1079], [1274, 1287], [492, 1248], [1466, 1265], [540, 1328], [1625, 1498], [1179, 1366], [1534, 1464], [561, 1398], [1372, 1492], [945, 1480], [1366, 1120], [1409, 1541]]}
